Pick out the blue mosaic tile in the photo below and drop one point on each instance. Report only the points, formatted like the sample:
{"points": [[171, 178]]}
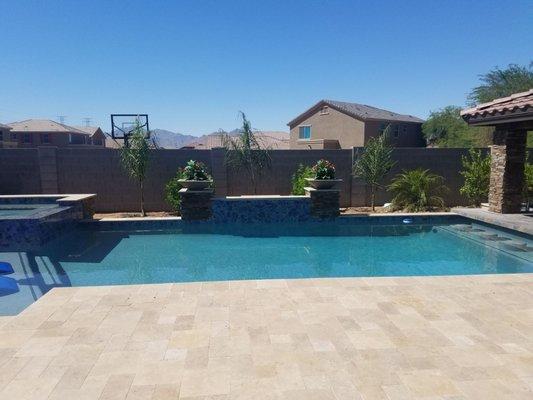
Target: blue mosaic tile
{"points": [[261, 210]]}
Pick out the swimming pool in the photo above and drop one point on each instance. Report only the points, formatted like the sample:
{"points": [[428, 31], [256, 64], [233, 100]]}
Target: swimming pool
{"points": [[210, 252]]}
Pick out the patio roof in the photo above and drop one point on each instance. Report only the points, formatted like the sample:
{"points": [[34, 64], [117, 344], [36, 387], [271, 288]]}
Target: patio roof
{"points": [[515, 108]]}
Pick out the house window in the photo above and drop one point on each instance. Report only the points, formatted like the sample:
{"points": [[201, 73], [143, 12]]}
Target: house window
{"points": [[26, 138], [324, 110], [97, 142], [304, 132], [1, 136], [76, 139], [396, 131], [383, 127], [45, 138], [13, 136]]}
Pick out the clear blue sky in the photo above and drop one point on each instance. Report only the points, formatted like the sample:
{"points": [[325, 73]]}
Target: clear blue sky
{"points": [[192, 65]]}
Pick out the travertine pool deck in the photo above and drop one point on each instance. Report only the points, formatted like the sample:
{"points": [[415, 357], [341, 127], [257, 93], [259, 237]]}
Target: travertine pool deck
{"points": [[460, 337]]}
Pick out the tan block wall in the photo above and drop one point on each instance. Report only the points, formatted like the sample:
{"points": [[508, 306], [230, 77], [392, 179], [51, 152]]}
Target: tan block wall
{"points": [[335, 125]]}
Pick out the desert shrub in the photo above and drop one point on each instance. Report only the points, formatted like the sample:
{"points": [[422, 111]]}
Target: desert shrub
{"points": [[323, 169], [172, 189], [528, 184], [476, 171], [298, 179], [417, 190]]}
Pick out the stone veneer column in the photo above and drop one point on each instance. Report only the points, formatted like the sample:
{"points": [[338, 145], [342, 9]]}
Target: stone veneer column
{"points": [[196, 205], [324, 202], [508, 155], [48, 169]]}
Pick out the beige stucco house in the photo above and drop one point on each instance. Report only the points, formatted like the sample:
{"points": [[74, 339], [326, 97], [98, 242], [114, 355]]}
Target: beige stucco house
{"points": [[331, 124], [44, 132]]}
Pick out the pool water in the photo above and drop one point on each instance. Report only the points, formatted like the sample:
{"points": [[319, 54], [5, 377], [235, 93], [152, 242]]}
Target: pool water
{"points": [[23, 210], [232, 252]]}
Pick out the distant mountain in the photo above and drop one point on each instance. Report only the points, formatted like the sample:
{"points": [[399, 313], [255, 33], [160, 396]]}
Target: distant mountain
{"points": [[170, 140]]}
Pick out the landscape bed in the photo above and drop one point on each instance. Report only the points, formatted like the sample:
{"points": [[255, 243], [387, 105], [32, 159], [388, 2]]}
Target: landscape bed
{"points": [[169, 250]]}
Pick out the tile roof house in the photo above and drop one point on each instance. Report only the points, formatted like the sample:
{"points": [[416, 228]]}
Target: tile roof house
{"points": [[336, 124], [44, 132], [272, 139], [5, 137]]}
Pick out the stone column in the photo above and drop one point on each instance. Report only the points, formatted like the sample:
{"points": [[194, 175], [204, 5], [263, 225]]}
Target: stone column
{"points": [[324, 202], [508, 155], [196, 204]]}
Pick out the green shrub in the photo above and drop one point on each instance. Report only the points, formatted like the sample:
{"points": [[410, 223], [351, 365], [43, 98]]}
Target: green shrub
{"points": [[417, 190], [477, 176], [528, 183], [172, 189], [323, 169], [195, 171], [298, 179]]}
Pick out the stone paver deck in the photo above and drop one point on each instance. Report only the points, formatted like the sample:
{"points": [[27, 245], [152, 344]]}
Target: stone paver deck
{"points": [[463, 337], [518, 222]]}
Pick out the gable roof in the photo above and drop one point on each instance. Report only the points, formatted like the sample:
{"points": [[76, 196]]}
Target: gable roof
{"points": [[360, 111], [2, 126], [43, 125], [273, 139], [516, 107], [90, 130]]}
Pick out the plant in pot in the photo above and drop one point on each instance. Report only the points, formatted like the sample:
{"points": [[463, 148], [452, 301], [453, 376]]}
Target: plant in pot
{"points": [[195, 176], [324, 175]]}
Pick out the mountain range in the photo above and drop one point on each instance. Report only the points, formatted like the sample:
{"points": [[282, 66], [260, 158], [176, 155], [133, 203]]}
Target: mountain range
{"points": [[174, 140]]}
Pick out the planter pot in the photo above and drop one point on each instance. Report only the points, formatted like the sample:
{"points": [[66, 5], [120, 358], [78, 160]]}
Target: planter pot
{"points": [[321, 184], [195, 185]]}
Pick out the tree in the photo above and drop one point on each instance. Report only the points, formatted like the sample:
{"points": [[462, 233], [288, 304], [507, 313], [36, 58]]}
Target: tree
{"points": [[477, 176], [246, 152], [501, 83], [446, 128], [135, 159], [374, 163], [417, 190]]}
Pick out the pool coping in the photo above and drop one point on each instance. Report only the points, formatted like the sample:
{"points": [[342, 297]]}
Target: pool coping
{"points": [[515, 222]]}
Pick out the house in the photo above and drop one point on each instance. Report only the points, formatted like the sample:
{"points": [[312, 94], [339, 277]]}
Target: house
{"points": [[44, 132], [5, 137], [96, 136], [331, 124], [274, 140]]}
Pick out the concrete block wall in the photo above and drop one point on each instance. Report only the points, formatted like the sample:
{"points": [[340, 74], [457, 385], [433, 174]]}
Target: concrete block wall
{"points": [[19, 171], [443, 162], [277, 180], [92, 170]]}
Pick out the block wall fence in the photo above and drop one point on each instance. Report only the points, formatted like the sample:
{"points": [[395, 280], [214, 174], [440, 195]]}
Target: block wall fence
{"points": [[84, 170]]}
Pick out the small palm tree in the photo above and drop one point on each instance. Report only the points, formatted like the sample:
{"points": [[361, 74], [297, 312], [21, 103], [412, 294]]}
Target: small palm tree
{"points": [[247, 152], [374, 163], [135, 159], [417, 190]]}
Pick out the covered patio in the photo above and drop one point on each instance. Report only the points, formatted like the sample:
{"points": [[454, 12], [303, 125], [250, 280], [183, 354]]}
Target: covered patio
{"points": [[511, 117]]}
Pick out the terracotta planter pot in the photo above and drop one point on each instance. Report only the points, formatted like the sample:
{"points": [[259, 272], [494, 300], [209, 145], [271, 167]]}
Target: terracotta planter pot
{"points": [[195, 185], [321, 184]]}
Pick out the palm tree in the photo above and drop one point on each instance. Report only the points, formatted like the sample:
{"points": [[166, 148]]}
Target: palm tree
{"points": [[246, 152], [135, 159], [417, 190], [374, 163]]}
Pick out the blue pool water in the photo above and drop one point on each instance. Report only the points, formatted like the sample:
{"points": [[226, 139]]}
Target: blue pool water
{"points": [[226, 252]]}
